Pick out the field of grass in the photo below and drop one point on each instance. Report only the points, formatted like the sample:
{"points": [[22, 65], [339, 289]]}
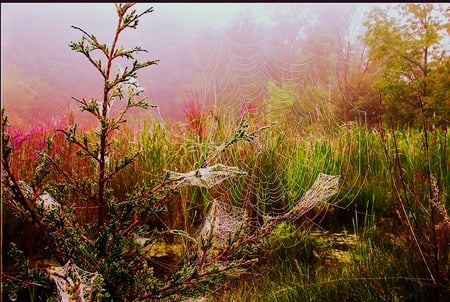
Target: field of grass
{"points": [[375, 258]]}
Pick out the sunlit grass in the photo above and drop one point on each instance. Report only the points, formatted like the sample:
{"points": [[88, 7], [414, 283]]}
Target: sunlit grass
{"points": [[281, 164]]}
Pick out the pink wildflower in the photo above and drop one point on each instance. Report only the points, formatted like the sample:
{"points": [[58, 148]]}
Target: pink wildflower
{"points": [[194, 112], [247, 107]]}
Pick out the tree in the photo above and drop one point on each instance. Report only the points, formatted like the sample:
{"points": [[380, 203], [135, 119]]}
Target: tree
{"points": [[97, 246], [115, 87], [290, 22], [408, 44]]}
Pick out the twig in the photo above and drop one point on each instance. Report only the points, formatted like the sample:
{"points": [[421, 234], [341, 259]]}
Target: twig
{"points": [[26, 282]]}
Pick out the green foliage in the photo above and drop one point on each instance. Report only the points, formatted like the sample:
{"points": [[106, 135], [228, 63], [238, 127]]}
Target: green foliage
{"points": [[302, 267], [409, 48], [437, 105], [28, 277]]}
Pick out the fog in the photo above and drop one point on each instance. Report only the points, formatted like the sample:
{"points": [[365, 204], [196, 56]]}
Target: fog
{"points": [[225, 53]]}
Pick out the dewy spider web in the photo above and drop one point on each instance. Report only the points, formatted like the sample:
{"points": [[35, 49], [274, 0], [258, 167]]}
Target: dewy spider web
{"points": [[74, 283], [203, 177], [221, 222], [224, 220], [321, 191], [245, 69], [244, 78]]}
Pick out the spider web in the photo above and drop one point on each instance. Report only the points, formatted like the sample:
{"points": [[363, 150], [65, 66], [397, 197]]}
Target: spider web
{"points": [[221, 223], [44, 200], [239, 73], [248, 69], [74, 283], [224, 220], [204, 177]]}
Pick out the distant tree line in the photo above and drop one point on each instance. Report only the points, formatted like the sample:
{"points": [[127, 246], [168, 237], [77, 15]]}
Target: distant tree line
{"points": [[309, 66]]}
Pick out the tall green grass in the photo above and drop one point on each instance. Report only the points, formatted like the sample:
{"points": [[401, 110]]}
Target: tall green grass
{"points": [[281, 165], [299, 267]]}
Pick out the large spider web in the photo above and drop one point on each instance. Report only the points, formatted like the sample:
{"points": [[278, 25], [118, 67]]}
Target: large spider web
{"points": [[246, 72], [240, 73]]}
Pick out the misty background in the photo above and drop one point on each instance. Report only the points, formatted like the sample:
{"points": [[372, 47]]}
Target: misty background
{"points": [[223, 54]]}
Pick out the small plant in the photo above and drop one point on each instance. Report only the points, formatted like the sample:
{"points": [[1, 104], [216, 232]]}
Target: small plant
{"points": [[195, 113]]}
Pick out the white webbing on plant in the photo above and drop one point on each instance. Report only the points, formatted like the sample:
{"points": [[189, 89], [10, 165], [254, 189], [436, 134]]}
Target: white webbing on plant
{"points": [[204, 177], [323, 188], [224, 220], [44, 200], [47, 202], [74, 283], [221, 222]]}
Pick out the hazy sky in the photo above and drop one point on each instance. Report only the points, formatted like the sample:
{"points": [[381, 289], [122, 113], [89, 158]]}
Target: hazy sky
{"points": [[214, 14], [201, 14], [220, 14], [40, 66]]}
